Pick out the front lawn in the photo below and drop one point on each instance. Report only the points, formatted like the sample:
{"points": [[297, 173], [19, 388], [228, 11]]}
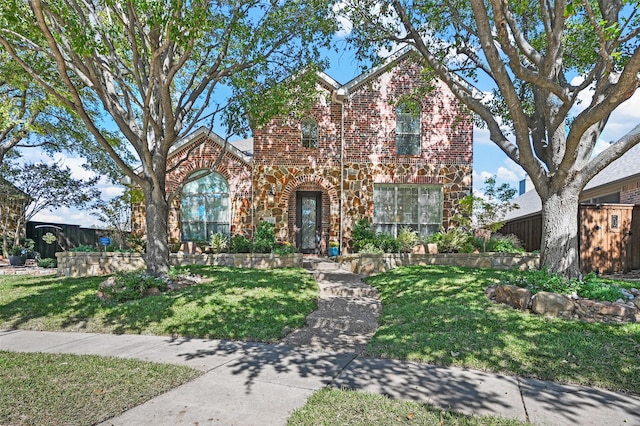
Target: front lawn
{"points": [[345, 407], [54, 389], [232, 303], [441, 315]]}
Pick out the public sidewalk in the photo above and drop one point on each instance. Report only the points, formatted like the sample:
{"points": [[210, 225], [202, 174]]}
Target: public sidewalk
{"points": [[261, 384]]}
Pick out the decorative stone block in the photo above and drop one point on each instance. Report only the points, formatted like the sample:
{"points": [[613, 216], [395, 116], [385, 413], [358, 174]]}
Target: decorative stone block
{"points": [[552, 305], [518, 297]]}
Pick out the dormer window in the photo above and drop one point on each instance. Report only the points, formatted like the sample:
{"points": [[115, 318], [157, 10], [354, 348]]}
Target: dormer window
{"points": [[408, 115], [309, 133]]}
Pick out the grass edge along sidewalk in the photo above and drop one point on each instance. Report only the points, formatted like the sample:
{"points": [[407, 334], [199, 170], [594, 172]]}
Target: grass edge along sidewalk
{"points": [[54, 389]]}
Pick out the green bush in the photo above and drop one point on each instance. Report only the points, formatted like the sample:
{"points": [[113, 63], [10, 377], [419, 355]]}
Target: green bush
{"points": [[240, 244], [48, 262], [362, 230], [454, 240], [132, 286], [84, 248], [218, 243], [371, 248], [504, 244], [407, 239], [387, 243], [264, 239], [590, 287], [284, 248]]}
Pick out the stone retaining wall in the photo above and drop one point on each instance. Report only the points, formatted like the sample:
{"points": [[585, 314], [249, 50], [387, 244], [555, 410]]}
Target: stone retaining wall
{"points": [[371, 264], [77, 264]]}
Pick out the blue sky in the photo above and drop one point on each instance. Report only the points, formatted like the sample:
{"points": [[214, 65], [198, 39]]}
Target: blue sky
{"points": [[488, 158]]}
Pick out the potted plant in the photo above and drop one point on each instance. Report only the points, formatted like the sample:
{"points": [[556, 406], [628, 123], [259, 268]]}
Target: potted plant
{"points": [[16, 257], [333, 248]]}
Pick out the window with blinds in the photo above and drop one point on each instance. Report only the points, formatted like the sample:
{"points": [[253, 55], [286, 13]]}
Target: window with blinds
{"points": [[416, 206]]}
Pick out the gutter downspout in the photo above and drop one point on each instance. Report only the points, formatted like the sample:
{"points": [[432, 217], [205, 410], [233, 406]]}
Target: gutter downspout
{"points": [[339, 97]]}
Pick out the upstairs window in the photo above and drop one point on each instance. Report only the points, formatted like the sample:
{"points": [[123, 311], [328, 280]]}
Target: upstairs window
{"points": [[309, 133], [408, 115]]}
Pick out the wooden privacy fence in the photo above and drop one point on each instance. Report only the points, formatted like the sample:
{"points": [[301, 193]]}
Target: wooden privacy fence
{"points": [[609, 236]]}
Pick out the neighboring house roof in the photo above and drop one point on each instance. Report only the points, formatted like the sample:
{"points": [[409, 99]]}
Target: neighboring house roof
{"points": [[625, 167], [7, 189], [244, 145]]}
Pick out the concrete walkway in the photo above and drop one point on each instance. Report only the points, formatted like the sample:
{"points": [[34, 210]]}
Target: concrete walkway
{"points": [[347, 314], [261, 384]]}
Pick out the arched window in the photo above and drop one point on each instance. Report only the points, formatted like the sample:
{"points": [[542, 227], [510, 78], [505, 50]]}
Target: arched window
{"points": [[408, 114], [309, 133], [205, 207]]}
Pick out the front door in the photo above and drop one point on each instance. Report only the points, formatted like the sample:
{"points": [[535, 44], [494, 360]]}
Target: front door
{"points": [[308, 221]]}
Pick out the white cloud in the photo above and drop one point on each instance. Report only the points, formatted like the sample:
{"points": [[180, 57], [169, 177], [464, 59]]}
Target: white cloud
{"points": [[506, 174], [344, 23]]}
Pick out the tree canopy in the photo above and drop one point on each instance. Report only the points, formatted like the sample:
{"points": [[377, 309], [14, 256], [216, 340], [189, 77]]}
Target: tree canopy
{"points": [[542, 76]]}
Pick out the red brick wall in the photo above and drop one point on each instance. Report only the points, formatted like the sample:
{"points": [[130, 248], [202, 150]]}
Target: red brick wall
{"points": [[630, 193]]}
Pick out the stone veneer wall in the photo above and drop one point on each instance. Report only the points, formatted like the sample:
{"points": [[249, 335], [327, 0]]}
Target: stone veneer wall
{"points": [[73, 264], [371, 264]]}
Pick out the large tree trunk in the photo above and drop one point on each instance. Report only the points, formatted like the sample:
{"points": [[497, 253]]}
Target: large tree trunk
{"points": [[559, 246], [156, 214]]}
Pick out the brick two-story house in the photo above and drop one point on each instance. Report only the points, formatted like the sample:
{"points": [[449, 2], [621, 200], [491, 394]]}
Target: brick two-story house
{"points": [[384, 147]]}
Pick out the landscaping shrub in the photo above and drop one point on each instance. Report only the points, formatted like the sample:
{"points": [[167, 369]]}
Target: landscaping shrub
{"points": [[48, 262], [284, 248], [265, 238], [387, 243], [454, 240], [240, 244], [362, 231], [370, 248], [365, 240], [218, 243], [133, 285], [504, 244], [407, 239], [590, 287]]}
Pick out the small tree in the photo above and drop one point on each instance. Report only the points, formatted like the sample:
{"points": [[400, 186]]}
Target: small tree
{"points": [[485, 213], [48, 186]]}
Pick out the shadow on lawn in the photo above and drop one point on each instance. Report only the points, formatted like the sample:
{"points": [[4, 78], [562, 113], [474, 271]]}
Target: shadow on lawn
{"points": [[235, 305], [440, 315]]}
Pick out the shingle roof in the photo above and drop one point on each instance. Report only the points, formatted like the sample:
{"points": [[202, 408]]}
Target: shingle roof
{"points": [[624, 167]]}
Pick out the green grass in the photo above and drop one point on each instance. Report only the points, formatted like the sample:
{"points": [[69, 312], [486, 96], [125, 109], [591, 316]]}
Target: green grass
{"points": [[240, 304], [53, 389], [340, 407], [440, 315]]}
